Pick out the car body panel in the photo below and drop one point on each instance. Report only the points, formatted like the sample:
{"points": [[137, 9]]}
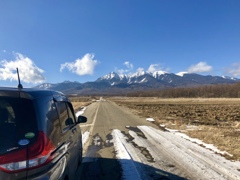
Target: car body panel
{"points": [[62, 130]]}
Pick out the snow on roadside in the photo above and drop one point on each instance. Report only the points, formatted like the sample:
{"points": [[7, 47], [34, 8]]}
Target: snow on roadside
{"points": [[85, 137], [198, 161], [80, 112], [129, 170], [150, 119], [199, 142]]}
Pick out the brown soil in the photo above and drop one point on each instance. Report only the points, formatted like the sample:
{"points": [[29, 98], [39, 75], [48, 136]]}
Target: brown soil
{"points": [[214, 121], [80, 102]]}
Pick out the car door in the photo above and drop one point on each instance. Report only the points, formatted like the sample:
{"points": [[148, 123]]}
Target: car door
{"points": [[68, 135], [76, 132]]}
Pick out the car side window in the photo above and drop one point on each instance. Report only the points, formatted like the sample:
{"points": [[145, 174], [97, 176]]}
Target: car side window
{"points": [[70, 113], [53, 122], [66, 121]]}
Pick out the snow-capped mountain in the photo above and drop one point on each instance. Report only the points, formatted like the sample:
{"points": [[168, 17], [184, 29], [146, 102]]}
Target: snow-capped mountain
{"points": [[156, 74], [163, 78], [45, 86], [113, 78], [138, 77], [114, 82], [66, 85], [228, 77]]}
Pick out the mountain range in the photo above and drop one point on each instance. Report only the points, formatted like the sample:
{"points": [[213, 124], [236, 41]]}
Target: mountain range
{"points": [[114, 83]]}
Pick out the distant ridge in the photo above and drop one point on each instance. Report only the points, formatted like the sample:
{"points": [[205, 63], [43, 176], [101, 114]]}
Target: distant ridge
{"points": [[114, 83]]}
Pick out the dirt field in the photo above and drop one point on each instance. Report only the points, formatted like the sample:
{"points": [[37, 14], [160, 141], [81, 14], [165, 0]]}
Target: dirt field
{"points": [[79, 102], [214, 121]]}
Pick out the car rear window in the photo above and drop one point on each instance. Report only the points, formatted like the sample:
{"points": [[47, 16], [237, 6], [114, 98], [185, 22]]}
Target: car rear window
{"points": [[18, 126]]}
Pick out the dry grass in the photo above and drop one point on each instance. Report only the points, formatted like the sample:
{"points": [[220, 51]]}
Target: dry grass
{"points": [[79, 102], [214, 121]]}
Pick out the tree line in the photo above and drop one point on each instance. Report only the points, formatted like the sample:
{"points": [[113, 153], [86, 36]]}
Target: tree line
{"points": [[206, 91]]}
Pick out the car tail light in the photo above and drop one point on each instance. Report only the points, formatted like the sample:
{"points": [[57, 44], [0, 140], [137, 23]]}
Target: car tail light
{"points": [[36, 155]]}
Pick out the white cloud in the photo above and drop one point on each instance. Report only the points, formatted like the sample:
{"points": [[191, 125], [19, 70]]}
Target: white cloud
{"points": [[140, 70], [120, 71], [235, 70], [82, 66], [28, 71], [200, 67], [129, 65], [154, 67], [127, 70]]}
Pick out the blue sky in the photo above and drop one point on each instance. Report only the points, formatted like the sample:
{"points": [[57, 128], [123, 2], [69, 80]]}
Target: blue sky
{"points": [[82, 40]]}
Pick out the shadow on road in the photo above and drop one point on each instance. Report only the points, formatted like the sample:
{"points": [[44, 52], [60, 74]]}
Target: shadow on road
{"points": [[110, 169]]}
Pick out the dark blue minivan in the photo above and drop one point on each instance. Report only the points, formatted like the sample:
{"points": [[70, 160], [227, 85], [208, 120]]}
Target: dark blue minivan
{"points": [[40, 136]]}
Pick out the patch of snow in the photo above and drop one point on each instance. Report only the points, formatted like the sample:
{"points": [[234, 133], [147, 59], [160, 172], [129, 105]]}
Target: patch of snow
{"points": [[162, 125], [172, 130], [143, 80], [227, 77], [158, 73], [199, 161], [110, 76], [129, 81], [80, 112], [129, 170], [199, 142], [171, 152], [122, 76], [150, 119], [181, 73], [97, 141], [139, 73], [85, 137]]}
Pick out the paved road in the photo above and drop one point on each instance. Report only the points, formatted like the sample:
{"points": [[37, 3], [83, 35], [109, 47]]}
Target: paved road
{"points": [[99, 155], [122, 145]]}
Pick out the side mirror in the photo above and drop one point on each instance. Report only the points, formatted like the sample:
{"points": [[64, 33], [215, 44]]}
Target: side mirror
{"points": [[82, 119]]}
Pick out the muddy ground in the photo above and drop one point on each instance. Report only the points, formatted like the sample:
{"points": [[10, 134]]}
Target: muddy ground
{"points": [[214, 121]]}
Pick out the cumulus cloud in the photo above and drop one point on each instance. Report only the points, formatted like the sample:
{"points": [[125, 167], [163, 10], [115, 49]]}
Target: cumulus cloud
{"points": [[82, 66], [234, 70], [140, 70], [28, 71], [199, 68], [129, 67], [154, 67]]}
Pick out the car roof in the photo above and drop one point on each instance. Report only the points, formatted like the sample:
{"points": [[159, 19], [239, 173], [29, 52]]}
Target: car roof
{"points": [[28, 93]]}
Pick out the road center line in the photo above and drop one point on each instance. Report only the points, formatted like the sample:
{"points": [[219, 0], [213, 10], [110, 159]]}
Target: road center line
{"points": [[94, 120], [86, 145]]}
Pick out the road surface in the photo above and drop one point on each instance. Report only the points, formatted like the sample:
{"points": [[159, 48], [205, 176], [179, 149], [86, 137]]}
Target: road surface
{"points": [[121, 145]]}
